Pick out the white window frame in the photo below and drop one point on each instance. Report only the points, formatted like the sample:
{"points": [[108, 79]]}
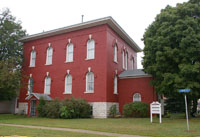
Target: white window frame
{"points": [[30, 85], [137, 97], [70, 52], [115, 85], [89, 82], [126, 60], [123, 59], [49, 56], [133, 63], [68, 84], [90, 49], [33, 58], [47, 85], [115, 53]]}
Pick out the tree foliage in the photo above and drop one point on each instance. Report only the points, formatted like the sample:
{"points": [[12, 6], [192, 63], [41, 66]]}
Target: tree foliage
{"points": [[172, 49], [11, 52]]}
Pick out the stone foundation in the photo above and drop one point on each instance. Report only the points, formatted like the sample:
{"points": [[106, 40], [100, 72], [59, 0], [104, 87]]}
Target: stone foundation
{"points": [[101, 109], [23, 108]]}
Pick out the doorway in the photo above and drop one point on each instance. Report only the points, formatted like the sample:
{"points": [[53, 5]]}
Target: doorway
{"points": [[33, 108]]}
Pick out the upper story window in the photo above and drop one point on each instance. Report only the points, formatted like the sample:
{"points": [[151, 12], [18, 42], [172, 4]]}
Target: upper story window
{"points": [[115, 53], [68, 84], [123, 59], [30, 85], [89, 82], [47, 85], [115, 84], [126, 60], [90, 49], [32, 58], [70, 50], [137, 97], [133, 62], [49, 55]]}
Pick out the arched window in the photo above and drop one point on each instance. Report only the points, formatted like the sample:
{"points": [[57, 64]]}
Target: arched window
{"points": [[70, 50], [47, 85], [90, 49], [123, 59], [115, 53], [126, 60], [30, 85], [49, 56], [133, 61], [137, 97], [115, 84], [90, 82], [32, 58], [68, 84]]}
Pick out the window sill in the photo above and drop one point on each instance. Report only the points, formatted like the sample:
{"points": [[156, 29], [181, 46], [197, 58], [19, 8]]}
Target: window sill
{"points": [[47, 64], [89, 92], [68, 61], [115, 93], [47, 93], [67, 93], [115, 62], [89, 59], [31, 66]]}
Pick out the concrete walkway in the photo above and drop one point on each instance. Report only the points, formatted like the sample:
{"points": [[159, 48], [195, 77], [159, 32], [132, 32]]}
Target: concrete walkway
{"points": [[73, 130]]}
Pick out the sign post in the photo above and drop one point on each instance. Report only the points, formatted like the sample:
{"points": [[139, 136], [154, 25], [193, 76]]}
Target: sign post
{"points": [[186, 110], [156, 109]]}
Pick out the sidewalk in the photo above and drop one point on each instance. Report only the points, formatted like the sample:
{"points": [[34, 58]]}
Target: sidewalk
{"points": [[73, 130]]}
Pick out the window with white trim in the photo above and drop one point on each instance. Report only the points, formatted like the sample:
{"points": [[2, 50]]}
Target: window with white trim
{"points": [[32, 58], [115, 84], [137, 97], [123, 59], [70, 50], [133, 61], [126, 60], [49, 56], [30, 85], [68, 84], [90, 49], [90, 82], [47, 85], [115, 53]]}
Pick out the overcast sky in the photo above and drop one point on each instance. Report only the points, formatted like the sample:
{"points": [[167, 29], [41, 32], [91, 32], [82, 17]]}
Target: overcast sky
{"points": [[134, 16]]}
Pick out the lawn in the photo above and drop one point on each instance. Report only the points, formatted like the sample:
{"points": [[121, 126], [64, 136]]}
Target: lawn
{"points": [[171, 127], [8, 131]]}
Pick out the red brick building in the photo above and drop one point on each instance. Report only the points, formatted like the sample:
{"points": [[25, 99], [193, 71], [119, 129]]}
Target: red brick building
{"points": [[82, 60]]}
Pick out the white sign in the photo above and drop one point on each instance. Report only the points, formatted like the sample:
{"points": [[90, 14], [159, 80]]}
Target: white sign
{"points": [[155, 109]]}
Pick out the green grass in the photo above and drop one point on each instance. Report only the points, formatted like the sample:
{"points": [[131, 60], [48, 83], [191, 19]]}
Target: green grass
{"points": [[10, 131], [171, 127]]}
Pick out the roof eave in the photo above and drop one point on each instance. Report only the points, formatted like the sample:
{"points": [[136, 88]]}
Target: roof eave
{"points": [[107, 20], [138, 76]]}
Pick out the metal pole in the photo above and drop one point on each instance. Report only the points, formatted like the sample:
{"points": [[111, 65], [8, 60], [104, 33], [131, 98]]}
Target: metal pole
{"points": [[186, 110]]}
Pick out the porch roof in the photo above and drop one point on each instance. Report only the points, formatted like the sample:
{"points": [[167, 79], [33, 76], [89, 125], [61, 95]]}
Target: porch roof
{"points": [[38, 96]]}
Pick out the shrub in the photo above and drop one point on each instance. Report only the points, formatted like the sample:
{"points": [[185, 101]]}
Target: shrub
{"points": [[41, 108], [113, 111], [69, 108], [53, 109], [75, 108], [136, 109]]}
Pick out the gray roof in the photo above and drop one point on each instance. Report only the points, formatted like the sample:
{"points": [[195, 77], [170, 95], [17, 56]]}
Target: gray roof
{"points": [[107, 20], [38, 96], [133, 74]]}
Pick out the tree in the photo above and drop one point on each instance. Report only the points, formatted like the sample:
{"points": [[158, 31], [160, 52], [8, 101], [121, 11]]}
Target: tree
{"points": [[172, 50], [11, 52]]}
